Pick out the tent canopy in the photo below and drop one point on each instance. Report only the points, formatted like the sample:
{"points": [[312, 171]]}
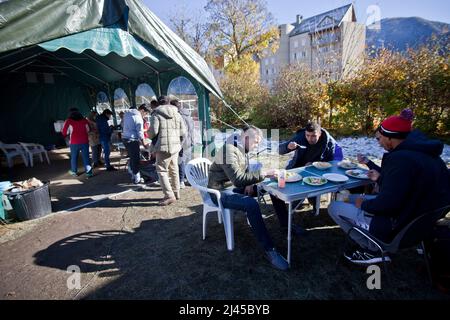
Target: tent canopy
{"points": [[59, 54]]}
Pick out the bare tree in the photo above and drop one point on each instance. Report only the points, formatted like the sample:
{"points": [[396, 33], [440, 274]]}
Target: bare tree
{"points": [[193, 30], [241, 27]]}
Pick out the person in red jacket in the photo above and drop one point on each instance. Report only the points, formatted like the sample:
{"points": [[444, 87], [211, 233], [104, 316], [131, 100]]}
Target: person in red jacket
{"points": [[78, 127]]}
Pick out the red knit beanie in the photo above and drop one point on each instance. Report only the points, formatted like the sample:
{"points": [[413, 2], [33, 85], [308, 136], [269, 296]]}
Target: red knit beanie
{"points": [[397, 126]]}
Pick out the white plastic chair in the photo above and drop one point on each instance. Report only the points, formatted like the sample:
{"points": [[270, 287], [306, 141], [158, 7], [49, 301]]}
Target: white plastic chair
{"points": [[32, 149], [197, 171], [11, 151]]}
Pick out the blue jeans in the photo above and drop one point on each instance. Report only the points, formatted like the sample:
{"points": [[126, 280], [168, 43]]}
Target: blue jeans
{"points": [[234, 199], [181, 166], [106, 152], [74, 150]]}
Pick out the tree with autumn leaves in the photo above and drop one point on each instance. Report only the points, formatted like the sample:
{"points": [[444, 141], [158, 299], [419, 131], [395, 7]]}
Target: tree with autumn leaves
{"points": [[390, 82], [241, 31]]}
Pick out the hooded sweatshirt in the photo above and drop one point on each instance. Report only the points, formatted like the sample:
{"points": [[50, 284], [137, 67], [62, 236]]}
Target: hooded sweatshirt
{"points": [[167, 126], [414, 180], [133, 125]]}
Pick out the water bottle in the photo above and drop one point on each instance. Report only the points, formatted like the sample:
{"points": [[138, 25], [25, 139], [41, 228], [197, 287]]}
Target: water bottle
{"points": [[282, 179]]}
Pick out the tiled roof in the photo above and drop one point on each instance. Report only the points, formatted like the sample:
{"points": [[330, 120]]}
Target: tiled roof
{"points": [[322, 21]]}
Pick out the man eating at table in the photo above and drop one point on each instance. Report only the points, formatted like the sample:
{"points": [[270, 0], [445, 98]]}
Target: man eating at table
{"points": [[311, 144], [412, 180]]}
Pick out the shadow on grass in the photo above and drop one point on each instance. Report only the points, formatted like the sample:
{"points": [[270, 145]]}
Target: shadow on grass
{"points": [[167, 259]]}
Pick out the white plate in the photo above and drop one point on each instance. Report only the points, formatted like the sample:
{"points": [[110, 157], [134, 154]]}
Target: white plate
{"points": [[357, 174], [322, 165], [334, 177], [321, 183], [347, 165], [293, 177]]}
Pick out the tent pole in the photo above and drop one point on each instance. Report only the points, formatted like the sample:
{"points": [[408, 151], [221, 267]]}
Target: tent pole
{"points": [[159, 84], [106, 66], [148, 66], [79, 69], [65, 74], [155, 71], [132, 96], [111, 103], [20, 61], [23, 65], [16, 52]]}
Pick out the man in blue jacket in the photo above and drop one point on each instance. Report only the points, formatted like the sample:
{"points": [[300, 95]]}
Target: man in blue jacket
{"points": [[313, 143], [413, 180], [105, 132]]}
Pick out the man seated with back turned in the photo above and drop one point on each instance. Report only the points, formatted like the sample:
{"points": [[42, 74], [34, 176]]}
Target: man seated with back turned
{"points": [[230, 168], [310, 144]]}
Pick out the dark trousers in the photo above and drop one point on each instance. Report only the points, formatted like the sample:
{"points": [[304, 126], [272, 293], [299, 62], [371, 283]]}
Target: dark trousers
{"points": [[181, 166], [106, 151], [234, 199], [282, 211], [134, 154]]}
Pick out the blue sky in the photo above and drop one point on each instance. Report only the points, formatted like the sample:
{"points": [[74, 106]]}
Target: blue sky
{"points": [[284, 11]]}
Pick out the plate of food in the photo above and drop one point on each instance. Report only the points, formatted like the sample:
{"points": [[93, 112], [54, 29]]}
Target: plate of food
{"points": [[322, 165], [357, 173], [315, 181], [293, 177], [334, 177], [347, 165]]}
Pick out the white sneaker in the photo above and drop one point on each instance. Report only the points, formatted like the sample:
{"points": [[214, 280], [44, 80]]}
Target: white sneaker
{"points": [[182, 185]]}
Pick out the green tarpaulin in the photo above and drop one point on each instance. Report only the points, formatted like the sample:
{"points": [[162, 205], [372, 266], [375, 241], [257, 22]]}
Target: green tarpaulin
{"points": [[59, 54]]}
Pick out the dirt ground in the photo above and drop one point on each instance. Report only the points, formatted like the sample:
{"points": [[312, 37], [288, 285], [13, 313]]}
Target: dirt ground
{"points": [[128, 247]]}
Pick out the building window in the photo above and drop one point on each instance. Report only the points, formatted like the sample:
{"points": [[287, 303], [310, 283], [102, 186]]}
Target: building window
{"points": [[295, 44], [272, 61], [295, 56], [303, 42], [267, 71], [266, 62], [304, 54]]}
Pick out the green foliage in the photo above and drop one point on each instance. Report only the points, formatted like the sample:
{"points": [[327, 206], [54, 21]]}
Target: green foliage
{"points": [[391, 82]]}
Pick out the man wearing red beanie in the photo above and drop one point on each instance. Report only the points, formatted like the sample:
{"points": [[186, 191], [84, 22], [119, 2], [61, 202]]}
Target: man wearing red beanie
{"points": [[412, 180]]}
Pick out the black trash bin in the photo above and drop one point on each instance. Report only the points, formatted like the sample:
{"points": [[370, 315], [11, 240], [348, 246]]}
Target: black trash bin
{"points": [[31, 204]]}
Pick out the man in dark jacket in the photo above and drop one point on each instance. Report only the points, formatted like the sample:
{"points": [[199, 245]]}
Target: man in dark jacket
{"points": [[313, 143], [310, 144], [105, 132], [413, 180]]}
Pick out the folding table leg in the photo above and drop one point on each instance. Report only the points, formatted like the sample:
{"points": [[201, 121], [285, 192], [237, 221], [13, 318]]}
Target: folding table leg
{"points": [[289, 233], [317, 205]]}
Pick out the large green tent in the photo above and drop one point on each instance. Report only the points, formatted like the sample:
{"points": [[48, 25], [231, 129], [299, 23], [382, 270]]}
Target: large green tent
{"points": [[58, 54]]}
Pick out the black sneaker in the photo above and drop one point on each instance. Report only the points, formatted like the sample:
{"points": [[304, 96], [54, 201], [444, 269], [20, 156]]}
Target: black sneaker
{"points": [[111, 168], [365, 257]]}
